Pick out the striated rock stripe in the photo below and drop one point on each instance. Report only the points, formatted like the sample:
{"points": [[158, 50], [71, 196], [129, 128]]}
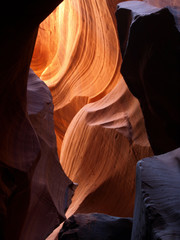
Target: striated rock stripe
{"points": [[77, 55], [100, 150]]}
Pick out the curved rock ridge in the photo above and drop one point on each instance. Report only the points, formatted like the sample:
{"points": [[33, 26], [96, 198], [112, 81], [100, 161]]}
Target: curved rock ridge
{"points": [[106, 138], [100, 150], [77, 55]]}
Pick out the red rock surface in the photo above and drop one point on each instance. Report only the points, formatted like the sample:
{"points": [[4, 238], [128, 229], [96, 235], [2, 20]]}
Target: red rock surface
{"points": [[98, 123], [75, 56], [100, 150], [104, 139]]}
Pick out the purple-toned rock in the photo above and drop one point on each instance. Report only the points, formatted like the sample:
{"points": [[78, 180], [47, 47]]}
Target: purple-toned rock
{"points": [[150, 45], [30, 199], [51, 190], [96, 226], [157, 203]]}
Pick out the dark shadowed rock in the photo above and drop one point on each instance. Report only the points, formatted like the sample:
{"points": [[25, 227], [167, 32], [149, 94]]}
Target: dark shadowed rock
{"points": [[96, 226], [51, 189], [21, 147], [150, 45], [157, 204]]}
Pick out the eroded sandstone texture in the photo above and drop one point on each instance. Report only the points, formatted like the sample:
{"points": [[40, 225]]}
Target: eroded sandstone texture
{"points": [[25, 167], [104, 140], [157, 206], [98, 122], [100, 150], [77, 55], [151, 68]]}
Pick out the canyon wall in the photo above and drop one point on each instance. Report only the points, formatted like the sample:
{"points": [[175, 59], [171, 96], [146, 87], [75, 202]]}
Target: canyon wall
{"points": [[74, 118], [98, 123]]}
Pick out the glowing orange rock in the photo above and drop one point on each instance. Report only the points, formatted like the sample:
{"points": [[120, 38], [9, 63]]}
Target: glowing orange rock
{"points": [[77, 55], [100, 150], [84, 66]]}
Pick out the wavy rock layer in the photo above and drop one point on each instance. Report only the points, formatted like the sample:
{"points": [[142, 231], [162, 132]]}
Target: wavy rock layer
{"points": [[77, 55], [157, 207], [105, 139], [100, 150]]}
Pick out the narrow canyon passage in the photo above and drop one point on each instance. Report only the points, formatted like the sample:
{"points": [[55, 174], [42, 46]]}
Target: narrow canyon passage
{"points": [[90, 120], [77, 54]]}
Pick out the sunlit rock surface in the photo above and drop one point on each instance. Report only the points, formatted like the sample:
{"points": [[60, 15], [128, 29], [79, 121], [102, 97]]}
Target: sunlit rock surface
{"points": [[77, 55], [100, 150], [157, 206], [151, 68], [105, 139]]}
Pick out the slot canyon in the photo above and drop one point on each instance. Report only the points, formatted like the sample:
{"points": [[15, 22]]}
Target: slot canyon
{"points": [[90, 120]]}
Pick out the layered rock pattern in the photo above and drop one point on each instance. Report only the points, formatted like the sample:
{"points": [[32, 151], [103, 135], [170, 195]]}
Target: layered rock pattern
{"points": [[106, 139], [100, 150], [151, 68], [75, 56], [157, 206]]}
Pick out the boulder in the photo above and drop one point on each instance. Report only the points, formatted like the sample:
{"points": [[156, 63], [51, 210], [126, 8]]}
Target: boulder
{"points": [[95, 226], [157, 204], [150, 45]]}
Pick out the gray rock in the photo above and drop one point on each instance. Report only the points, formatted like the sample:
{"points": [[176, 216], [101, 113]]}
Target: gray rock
{"points": [[157, 203], [96, 226], [150, 45]]}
